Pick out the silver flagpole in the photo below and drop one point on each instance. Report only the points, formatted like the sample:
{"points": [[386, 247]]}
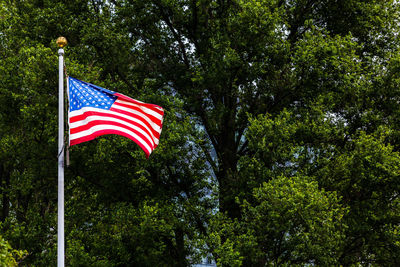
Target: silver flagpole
{"points": [[61, 42]]}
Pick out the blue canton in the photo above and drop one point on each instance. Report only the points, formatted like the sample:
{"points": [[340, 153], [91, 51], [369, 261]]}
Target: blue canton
{"points": [[82, 94]]}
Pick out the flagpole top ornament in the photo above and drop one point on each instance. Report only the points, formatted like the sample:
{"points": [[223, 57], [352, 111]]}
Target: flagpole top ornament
{"points": [[61, 42]]}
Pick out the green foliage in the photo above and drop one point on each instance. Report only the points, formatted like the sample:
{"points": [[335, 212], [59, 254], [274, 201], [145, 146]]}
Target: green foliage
{"points": [[367, 177], [291, 222], [303, 222], [10, 257], [363, 172], [279, 147]]}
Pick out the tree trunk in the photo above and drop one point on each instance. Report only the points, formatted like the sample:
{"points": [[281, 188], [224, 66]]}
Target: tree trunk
{"points": [[227, 175], [4, 186]]}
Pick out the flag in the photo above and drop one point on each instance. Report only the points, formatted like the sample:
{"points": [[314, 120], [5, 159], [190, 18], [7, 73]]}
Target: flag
{"points": [[95, 111]]}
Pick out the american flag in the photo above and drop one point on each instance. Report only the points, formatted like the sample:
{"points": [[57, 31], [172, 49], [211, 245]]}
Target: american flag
{"points": [[95, 111]]}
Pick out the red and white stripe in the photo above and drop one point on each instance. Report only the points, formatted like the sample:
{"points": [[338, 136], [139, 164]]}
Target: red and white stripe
{"points": [[138, 121]]}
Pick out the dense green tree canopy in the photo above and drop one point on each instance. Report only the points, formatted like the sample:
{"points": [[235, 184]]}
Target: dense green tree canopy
{"points": [[280, 143]]}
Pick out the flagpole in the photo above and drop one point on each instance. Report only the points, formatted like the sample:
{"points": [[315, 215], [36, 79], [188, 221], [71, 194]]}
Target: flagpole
{"points": [[61, 42]]}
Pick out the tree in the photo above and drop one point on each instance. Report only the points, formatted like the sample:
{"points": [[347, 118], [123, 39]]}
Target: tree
{"points": [[108, 177], [229, 59], [263, 99]]}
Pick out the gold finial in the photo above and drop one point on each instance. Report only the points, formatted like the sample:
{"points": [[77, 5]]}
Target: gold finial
{"points": [[61, 42]]}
